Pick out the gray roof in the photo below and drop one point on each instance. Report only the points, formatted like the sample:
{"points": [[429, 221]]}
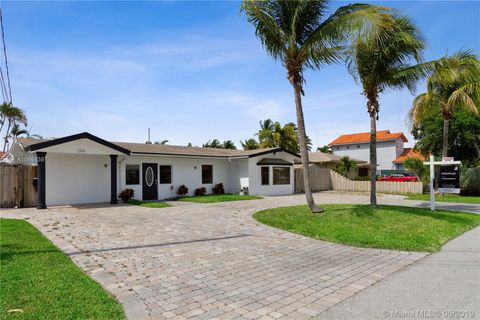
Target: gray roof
{"points": [[143, 148]]}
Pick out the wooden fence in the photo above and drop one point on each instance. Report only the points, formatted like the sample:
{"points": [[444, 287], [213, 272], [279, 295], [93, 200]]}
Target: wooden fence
{"points": [[340, 183], [319, 179], [16, 186]]}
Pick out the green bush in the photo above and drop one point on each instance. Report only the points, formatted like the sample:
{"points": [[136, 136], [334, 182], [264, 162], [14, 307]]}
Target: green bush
{"points": [[470, 182]]}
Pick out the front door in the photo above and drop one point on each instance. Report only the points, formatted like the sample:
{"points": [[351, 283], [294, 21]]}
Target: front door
{"points": [[150, 182]]}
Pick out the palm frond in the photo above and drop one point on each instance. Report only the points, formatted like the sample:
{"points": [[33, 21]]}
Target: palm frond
{"points": [[460, 98], [273, 37], [341, 26], [424, 105]]}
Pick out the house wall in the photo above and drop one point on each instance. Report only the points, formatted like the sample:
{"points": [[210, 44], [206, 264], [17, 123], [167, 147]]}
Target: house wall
{"points": [[255, 182], [387, 151], [75, 179], [186, 171]]}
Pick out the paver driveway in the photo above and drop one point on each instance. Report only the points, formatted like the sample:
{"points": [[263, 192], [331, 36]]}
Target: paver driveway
{"points": [[209, 261]]}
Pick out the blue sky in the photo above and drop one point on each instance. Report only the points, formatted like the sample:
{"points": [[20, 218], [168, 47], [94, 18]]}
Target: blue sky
{"points": [[190, 71]]}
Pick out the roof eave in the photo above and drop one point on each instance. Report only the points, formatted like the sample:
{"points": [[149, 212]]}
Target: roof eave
{"points": [[78, 136]]}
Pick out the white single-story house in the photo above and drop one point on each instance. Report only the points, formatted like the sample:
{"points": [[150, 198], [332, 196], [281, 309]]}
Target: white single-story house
{"points": [[84, 168]]}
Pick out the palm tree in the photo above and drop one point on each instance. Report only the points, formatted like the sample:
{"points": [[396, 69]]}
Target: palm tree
{"points": [[382, 61], [16, 131], [228, 144], [250, 144], [298, 33], [324, 149], [12, 115], [454, 84], [215, 143], [265, 134], [272, 135], [345, 165]]}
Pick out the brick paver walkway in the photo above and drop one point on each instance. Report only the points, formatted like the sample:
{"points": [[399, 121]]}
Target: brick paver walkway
{"points": [[210, 261]]}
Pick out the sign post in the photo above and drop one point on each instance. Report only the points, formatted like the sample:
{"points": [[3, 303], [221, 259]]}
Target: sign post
{"points": [[449, 180]]}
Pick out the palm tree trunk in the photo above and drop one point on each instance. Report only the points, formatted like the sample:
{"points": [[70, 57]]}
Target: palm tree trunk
{"points": [[373, 108], [302, 140], [373, 159], [445, 137], [5, 141]]}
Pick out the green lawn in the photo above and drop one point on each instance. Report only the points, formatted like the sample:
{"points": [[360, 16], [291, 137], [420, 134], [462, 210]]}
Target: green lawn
{"points": [[42, 281], [445, 198], [148, 204], [218, 198], [390, 227]]}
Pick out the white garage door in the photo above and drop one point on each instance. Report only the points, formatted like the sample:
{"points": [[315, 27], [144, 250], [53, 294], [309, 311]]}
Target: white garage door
{"points": [[75, 179]]}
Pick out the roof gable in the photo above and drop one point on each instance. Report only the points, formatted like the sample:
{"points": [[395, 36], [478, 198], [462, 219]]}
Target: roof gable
{"points": [[409, 153], [84, 135]]}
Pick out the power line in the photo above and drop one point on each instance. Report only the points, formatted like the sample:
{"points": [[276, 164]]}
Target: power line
{"points": [[3, 87], [5, 55]]}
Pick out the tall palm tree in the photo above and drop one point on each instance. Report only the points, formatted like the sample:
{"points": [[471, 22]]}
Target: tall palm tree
{"points": [[454, 84], [11, 115], [301, 35], [383, 61]]}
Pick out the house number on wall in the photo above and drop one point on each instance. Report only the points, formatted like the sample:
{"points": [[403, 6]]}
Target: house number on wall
{"points": [[81, 150]]}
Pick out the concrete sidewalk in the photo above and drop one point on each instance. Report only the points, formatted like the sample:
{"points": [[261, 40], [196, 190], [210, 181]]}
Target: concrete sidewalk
{"points": [[435, 287]]}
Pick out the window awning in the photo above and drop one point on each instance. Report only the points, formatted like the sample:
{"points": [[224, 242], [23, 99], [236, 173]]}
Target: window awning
{"points": [[273, 162]]}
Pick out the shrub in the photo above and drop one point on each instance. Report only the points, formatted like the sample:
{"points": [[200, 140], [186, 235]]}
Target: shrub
{"points": [[362, 178], [218, 189], [470, 182], [200, 191], [182, 190], [126, 194]]}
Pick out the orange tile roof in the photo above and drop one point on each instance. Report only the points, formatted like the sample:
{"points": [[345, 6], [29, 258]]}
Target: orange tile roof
{"points": [[409, 153], [382, 135]]}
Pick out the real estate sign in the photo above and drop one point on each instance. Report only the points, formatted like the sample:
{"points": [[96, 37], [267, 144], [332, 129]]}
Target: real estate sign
{"points": [[449, 179]]}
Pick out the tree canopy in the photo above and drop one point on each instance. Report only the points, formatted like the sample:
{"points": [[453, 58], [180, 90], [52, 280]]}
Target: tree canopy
{"points": [[463, 141]]}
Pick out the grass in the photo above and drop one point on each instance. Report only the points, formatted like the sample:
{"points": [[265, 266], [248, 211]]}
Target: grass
{"points": [[148, 204], [42, 281], [389, 227], [211, 198], [445, 198]]}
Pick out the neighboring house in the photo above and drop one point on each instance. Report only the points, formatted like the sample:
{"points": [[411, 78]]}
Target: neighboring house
{"points": [[399, 162], [389, 147], [83, 168], [330, 161]]}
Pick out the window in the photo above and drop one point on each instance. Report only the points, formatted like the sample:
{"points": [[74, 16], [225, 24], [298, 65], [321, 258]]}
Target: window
{"points": [[358, 146], [265, 176], [165, 174], [348, 147], [132, 174], [207, 174], [281, 175], [338, 148]]}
